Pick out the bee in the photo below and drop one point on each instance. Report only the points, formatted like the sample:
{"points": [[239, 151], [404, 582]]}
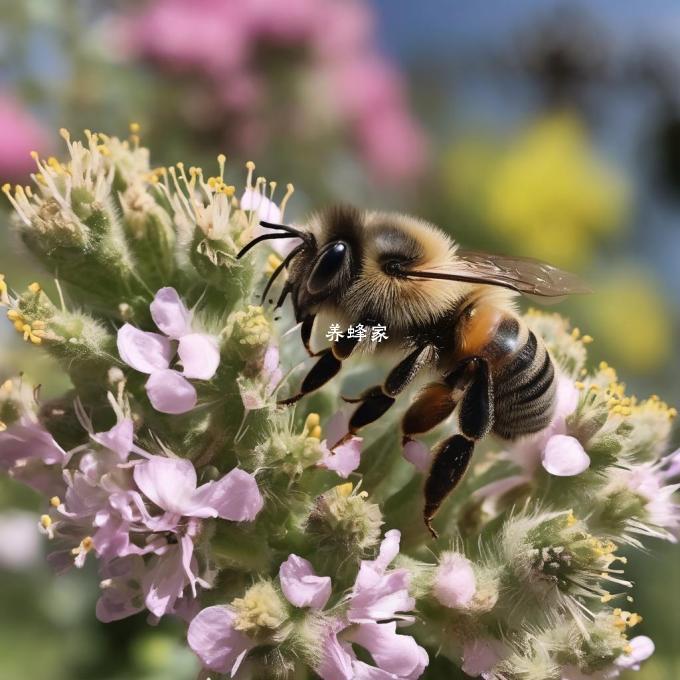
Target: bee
{"points": [[449, 312]]}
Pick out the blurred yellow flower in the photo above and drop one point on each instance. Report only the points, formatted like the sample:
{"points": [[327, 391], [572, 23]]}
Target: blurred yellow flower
{"points": [[551, 191], [546, 193], [629, 320]]}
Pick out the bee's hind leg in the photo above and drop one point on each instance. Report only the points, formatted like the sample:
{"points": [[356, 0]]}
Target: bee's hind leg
{"points": [[377, 400], [452, 456]]}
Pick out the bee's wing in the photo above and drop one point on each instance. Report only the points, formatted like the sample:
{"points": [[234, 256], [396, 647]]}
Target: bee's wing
{"points": [[523, 274]]}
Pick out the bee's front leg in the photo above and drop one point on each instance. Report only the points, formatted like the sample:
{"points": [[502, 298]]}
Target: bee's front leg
{"points": [[453, 455], [327, 366]]}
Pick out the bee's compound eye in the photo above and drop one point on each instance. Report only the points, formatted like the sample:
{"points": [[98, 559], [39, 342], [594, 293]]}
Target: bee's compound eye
{"points": [[329, 264], [393, 268]]}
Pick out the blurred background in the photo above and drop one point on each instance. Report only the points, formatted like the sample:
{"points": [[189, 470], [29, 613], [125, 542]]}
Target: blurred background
{"points": [[540, 128]]}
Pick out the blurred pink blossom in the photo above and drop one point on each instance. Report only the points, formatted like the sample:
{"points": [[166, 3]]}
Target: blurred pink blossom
{"points": [[20, 133], [221, 41]]}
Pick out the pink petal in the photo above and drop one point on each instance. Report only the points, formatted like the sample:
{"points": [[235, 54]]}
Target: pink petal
{"points": [[214, 640], [336, 428], [145, 352], [300, 584], [266, 209], [344, 459], [389, 549], [394, 653], [642, 649], [28, 440], [170, 314], [118, 439], [336, 663], [564, 456], [169, 482], [170, 392], [418, 455], [481, 655], [164, 582], [235, 497], [379, 598], [566, 399], [200, 355], [454, 582]]}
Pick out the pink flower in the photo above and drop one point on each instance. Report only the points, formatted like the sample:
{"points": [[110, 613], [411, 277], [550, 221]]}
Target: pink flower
{"points": [[169, 390], [661, 512], [454, 582], [20, 133], [29, 454], [343, 459], [378, 595], [301, 586], [255, 394], [171, 484], [216, 642], [27, 439]]}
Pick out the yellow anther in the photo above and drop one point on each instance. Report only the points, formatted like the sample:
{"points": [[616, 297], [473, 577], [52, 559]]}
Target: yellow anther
{"points": [[55, 501], [135, 128], [672, 412], [3, 426], [312, 420], [633, 620], [571, 519], [575, 333], [7, 386], [272, 263], [344, 489], [34, 155], [315, 432], [587, 339], [65, 134], [603, 365], [579, 385], [34, 287], [7, 188], [250, 165], [45, 521], [606, 598], [628, 649]]}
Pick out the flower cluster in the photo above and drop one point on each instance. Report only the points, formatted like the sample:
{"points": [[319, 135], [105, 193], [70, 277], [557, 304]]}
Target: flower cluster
{"points": [[339, 78], [170, 464]]}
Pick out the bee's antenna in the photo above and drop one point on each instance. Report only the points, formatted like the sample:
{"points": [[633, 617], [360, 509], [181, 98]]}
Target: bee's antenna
{"points": [[280, 268], [284, 227], [259, 239]]}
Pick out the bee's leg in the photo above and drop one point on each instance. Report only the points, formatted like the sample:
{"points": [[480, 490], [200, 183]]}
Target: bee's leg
{"points": [[306, 333], [376, 400], [453, 455], [328, 365], [436, 401]]}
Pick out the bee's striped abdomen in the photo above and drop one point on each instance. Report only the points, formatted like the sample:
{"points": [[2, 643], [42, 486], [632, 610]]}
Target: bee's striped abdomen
{"points": [[524, 391]]}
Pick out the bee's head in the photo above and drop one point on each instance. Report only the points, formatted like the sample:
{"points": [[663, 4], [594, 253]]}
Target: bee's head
{"points": [[357, 260]]}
